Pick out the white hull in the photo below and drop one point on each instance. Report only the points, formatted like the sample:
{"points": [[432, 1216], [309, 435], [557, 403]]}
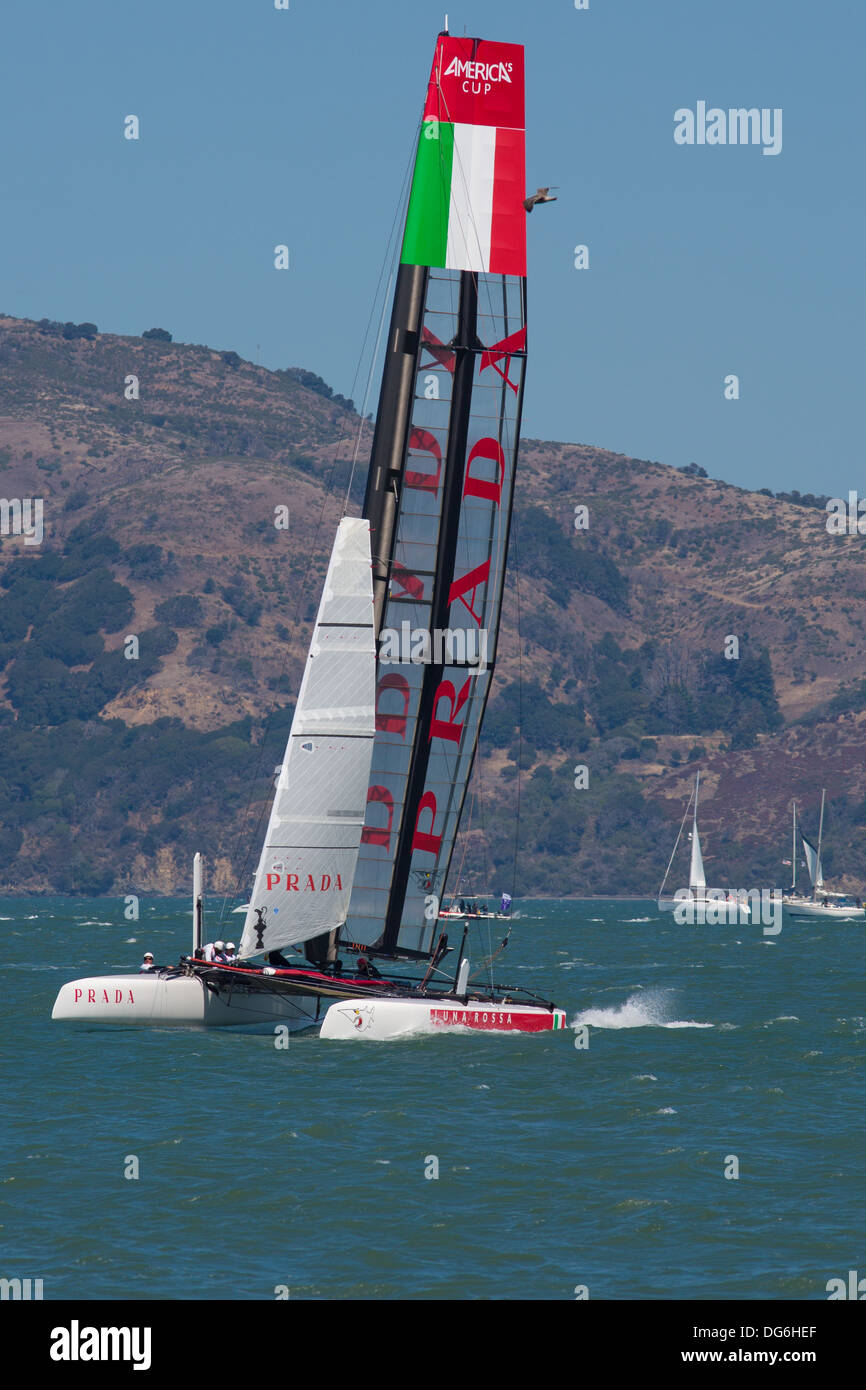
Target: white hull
{"points": [[832, 912], [162, 1000], [376, 1020]]}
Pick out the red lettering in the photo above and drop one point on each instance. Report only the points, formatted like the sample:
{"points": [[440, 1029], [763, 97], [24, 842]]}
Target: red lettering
{"points": [[131, 997], [480, 487], [78, 994], [105, 996], [311, 887], [409, 583], [291, 883], [438, 351], [446, 728], [326, 883], [339, 883], [472, 580], [91, 996], [273, 880], [515, 342], [373, 834], [392, 723], [423, 840], [427, 443], [118, 996]]}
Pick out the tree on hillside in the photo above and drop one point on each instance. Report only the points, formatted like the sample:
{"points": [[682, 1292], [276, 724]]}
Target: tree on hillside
{"points": [[80, 330], [157, 335]]}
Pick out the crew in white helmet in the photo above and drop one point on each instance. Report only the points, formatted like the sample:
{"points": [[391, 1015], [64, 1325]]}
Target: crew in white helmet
{"points": [[147, 963], [214, 951], [231, 952]]}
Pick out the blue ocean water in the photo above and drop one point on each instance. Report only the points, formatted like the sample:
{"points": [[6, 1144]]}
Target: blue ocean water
{"points": [[558, 1166]]}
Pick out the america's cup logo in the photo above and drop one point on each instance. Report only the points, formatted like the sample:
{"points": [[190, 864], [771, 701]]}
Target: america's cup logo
{"points": [[260, 926], [479, 72]]}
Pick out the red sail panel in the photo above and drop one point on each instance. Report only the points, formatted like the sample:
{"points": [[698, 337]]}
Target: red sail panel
{"points": [[476, 82], [508, 223]]}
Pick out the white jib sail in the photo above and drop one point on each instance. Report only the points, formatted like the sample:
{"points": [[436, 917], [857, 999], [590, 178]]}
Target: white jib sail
{"points": [[304, 878]]}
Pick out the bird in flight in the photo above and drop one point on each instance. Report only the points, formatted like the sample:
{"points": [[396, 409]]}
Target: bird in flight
{"points": [[543, 195]]}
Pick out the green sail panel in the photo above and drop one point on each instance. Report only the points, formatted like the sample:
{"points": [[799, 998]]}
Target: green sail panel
{"points": [[426, 237]]}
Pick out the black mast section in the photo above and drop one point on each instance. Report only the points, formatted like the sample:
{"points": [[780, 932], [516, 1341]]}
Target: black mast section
{"points": [[390, 437], [465, 346]]}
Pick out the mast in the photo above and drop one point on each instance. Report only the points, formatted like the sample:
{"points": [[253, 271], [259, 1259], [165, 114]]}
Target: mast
{"points": [[440, 488], [388, 453], [794, 848], [461, 401], [819, 868], [196, 902]]}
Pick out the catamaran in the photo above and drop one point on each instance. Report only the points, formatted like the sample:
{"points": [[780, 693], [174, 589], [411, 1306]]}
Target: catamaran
{"points": [[823, 901], [370, 794], [717, 904], [475, 907]]}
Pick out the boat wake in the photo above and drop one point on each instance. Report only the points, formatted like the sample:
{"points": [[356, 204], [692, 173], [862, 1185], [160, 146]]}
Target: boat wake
{"points": [[649, 1008]]}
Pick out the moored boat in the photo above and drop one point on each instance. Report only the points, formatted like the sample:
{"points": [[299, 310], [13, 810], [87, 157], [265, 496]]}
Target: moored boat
{"points": [[823, 902], [698, 903]]}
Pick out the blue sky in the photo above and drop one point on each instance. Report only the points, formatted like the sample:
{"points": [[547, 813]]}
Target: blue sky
{"points": [[261, 127]]}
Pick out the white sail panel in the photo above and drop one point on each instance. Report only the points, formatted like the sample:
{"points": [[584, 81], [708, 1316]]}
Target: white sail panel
{"points": [[814, 865], [697, 878], [304, 878]]}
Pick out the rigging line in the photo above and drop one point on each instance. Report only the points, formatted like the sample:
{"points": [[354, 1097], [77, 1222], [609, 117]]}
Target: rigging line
{"points": [[388, 261], [674, 850], [516, 533], [484, 848], [458, 164], [516, 570], [295, 623], [387, 264], [465, 840]]}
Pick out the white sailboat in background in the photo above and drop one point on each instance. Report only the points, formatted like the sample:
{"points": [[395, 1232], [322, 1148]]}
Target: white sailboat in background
{"points": [[823, 901], [722, 901]]}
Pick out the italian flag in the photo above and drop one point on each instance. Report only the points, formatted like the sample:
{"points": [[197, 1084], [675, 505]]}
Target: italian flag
{"points": [[466, 205]]}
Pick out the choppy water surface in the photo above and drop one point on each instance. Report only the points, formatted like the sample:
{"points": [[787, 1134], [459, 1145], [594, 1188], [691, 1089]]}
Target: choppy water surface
{"points": [[558, 1166]]}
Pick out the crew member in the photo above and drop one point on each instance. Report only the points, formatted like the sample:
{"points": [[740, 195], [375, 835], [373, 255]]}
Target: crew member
{"points": [[147, 964], [367, 969]]}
